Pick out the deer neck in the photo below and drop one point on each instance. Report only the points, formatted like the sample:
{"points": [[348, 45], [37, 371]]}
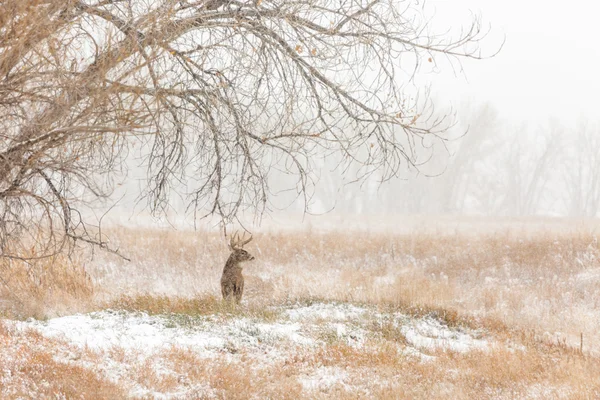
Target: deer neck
{"points": [[232, 264]]}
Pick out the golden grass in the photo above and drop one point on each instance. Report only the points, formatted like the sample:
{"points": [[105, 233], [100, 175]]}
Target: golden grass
{"points": [[189, 306], [169, 305], [31, 371], [538, 291], [542, 281], [44, 287], [380, 370], [499, 373]]}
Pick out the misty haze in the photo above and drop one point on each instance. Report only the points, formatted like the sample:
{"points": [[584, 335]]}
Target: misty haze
{"points": [[317, 199]]}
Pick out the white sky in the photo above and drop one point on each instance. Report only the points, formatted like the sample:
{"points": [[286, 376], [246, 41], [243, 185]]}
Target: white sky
{"points": [[548, 67]]}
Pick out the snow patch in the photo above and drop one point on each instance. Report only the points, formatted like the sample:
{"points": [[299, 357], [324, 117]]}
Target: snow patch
{"points": [[142, 332], [124, 339], [211, 335], [323, 379], [431, 334], [290, 332], [326, 311], [589, 276]]}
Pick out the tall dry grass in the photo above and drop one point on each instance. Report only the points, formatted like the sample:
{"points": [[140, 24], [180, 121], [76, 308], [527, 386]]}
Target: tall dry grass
{"points": [[44, 287], [548, 282], [31, 370], [539, 291]]}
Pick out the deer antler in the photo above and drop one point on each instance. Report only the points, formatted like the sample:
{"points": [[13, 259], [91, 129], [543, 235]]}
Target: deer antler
{"points": [[236, 243], [245, 242], [232, 241]]}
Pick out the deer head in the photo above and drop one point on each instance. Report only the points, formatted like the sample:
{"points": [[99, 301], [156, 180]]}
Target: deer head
{"points": [[236, 245]]}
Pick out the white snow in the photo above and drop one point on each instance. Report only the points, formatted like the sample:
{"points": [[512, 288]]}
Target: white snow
{"points": [[139, 331], [431, 334], [286, 331], [324, 378], [326, 311], [590, 275], [141, 337]]}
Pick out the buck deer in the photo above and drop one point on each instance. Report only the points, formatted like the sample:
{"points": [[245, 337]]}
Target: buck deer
{"points": [[232, 280]]}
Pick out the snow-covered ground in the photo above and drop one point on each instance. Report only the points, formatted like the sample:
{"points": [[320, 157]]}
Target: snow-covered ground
{"points": [[125, 339], [210, 335]]}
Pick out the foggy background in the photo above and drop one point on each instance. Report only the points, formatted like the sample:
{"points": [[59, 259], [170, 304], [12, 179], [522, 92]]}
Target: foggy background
{"points": [[526, 139]]}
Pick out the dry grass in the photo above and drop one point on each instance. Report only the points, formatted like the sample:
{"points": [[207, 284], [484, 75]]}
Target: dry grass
{"points": [[375, 370], [219, 379], [44, 287], [548, 282], [30, 370], [170, 305], [188, 306], [536, 293]]}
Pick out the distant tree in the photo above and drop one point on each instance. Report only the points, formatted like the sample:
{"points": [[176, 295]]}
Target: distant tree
{"points": [[215, 93], [468, 175], [531, 162], [581, 171]]}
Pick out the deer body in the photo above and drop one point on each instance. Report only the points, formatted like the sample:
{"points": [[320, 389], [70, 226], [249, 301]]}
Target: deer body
{"points": [[232, 280]]}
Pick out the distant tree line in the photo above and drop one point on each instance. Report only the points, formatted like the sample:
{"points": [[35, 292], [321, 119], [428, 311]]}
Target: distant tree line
{"points": [[493, 169]]}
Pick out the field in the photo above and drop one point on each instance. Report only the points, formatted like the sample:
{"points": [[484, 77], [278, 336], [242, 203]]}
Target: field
{"points": [[469, 313]]}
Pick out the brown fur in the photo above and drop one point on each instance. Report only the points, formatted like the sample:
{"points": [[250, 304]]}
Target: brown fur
{"points": [[232, 280]]}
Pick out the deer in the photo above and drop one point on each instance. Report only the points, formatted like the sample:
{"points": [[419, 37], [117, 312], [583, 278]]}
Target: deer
{"points": [[232, 280]]}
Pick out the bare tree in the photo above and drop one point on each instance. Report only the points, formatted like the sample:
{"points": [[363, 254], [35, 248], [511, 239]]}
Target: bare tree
{"points": [[467, 175], [217, 93], [530, 163], [581, 171]]}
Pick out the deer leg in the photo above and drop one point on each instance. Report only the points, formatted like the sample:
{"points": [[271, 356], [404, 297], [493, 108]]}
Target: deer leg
{"points": [[227, 290], [238, 290]]}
